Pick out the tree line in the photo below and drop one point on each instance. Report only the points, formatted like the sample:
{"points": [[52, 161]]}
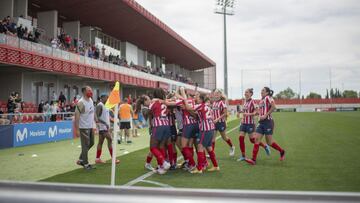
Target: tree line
{"points": [[288, 93]]}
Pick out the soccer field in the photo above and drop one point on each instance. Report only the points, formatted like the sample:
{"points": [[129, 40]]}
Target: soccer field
{"points": [[322, 152]]}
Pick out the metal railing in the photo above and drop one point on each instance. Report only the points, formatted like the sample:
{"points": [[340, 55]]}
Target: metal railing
{"points": [[65, 55], [60, 192]]}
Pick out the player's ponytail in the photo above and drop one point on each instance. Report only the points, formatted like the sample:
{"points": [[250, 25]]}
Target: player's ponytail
{"points": [[269, 92], [203, 98], [251, 90], [139, 102]]}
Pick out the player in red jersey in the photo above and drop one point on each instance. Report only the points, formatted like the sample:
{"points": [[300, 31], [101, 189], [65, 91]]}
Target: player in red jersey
{"points": [[190, 128], [142, 105], [248, 124], [171, 143], [206, 127], [220, 114], [265, 126], [160, 129]]}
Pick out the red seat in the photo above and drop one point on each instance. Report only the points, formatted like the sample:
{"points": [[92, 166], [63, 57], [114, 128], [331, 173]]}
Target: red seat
{"points": [[24, 119]]}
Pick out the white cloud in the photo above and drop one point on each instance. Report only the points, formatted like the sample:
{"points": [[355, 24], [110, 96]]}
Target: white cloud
{"points": [[283, 35]]}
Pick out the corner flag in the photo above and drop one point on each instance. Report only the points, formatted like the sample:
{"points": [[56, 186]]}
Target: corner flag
{"points": [[114, 97]]}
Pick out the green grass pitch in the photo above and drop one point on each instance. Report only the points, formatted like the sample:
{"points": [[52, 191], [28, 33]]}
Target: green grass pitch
{"points": [[322, 154]]}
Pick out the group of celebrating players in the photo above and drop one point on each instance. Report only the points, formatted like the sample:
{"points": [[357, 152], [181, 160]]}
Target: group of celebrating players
{"points": [[185, 122], [190, 123]]}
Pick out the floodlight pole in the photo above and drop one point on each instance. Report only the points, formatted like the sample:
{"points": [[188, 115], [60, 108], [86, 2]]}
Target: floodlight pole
{"points": [[224, 4], [225, 56]]}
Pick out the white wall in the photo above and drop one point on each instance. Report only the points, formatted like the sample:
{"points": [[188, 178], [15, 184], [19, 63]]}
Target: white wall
{"points": [[72, 28], [48, 20], [9, 82], [29, 88], [131, 53], [6, 8], [141, 58], [20, 8], [85, 34]]}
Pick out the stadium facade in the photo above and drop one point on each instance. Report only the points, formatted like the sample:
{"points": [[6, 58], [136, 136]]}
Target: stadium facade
{"points": [[152, 54]]}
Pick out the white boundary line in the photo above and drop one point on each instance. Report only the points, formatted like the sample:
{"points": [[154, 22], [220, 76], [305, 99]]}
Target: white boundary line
{"points": [[148, 174]]}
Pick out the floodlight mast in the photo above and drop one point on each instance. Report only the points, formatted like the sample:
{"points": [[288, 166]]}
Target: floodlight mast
{"points": [[225, 7]]}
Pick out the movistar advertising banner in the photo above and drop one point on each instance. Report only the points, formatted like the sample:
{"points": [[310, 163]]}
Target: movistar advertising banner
{"points": [[35, 133]]}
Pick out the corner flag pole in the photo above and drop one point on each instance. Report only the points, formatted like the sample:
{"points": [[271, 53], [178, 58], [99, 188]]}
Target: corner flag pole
{"points": [[113, 102], [115, 131]]}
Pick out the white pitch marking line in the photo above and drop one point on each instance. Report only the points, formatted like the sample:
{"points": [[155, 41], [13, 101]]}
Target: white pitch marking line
{"points": [[148, 174]]}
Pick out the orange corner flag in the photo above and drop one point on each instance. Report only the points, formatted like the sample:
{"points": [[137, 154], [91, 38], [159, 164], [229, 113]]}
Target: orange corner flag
{"points": [[114, 97]]}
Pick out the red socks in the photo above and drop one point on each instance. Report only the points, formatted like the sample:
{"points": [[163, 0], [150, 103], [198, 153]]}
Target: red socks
{"points": [[255, 151], [163, 152], [98, 153], [170, 151], [201, 160], [228, 141], [213, 158], [184, 154], [157, 153], [277, 147], [213, 145], [148, 159], [242, 145], [189, 155]]}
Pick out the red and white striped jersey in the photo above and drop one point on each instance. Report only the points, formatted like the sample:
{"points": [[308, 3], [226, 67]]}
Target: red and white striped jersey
{"points": [[219, 107], [187, 117], [171, 116], [265, 106], [206, 121], [159, 113], [248, 107]]}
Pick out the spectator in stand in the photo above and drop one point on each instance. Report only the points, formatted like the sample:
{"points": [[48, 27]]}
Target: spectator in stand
{"points": [[4, 28], [41, 106], [54, 96], [3, 119], [53, 110], [62, 98], [11, 105], [76, 44], [20, 31], [67, 41], [54, 43], [96, 53], [110, 58], [74, 102], [46, 111], [36, 35], [102, 56]]}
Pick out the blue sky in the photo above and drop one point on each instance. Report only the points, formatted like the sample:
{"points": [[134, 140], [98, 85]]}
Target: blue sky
{"points": [[284, 36]]}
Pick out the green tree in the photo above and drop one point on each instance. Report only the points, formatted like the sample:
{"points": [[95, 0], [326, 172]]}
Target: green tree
{"points": [[327, 94], [313, 95], [288, 93], [349, 94], [332, 95]]}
